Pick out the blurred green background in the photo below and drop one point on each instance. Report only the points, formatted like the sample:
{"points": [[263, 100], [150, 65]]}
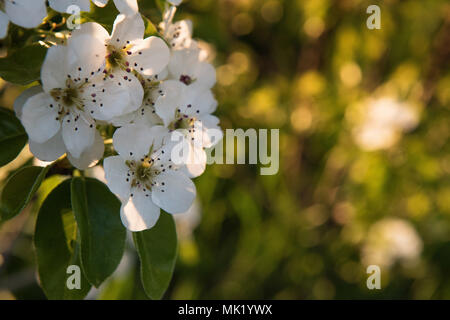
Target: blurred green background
{"points": [[364, 158]]}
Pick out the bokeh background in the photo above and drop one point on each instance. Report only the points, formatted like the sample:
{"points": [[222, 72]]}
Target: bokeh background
{"points": [[364, 158]]}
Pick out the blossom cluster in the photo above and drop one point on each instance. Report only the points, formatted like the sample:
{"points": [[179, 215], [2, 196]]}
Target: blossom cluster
{"points": [[155, 92]]}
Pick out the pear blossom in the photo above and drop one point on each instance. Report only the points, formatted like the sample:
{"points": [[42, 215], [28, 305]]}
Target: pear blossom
{"points": [[125, 49], [144, 177], [188, 112], [62, 118], [124, 6], [178, 34], [24, 13], [145, 114], [188, 67], [54, 148]]}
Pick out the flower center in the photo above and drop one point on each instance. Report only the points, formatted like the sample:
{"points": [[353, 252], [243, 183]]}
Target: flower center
{"points": [[142, 173], [187, 80], [115, 58], [69, 97], [182, 121]]}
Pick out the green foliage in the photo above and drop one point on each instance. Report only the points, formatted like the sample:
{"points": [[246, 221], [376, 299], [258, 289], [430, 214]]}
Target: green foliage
{"points": [[12, 136], [23, 66], [157, 249], [19, 190], [102, 235], [104, 16], [57, 245]]}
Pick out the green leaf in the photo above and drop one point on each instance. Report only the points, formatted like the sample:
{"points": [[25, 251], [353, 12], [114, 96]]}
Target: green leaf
{"points": [[19, 190], [102, 234], [57, 247], [157, 249], [12, 136], [150, 28], [23, 66], [104, 16]]}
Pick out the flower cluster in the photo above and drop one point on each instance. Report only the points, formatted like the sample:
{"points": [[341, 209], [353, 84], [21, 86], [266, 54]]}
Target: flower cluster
{"points": [[31, 13], [156, 91]]}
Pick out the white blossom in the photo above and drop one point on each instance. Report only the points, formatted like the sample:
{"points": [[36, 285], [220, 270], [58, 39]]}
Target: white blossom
{"points": [[124, 6], [24, 13], [144, 178], [62, 118], [188, 112], [187, 67]]}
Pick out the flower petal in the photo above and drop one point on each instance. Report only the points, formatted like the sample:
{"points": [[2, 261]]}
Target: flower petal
{"points": [[127, 28], [4, 23], [171, 98], [187, 62], [40, 117], [139, 213], [78, 132], [100, 3], [133, 141], [198, 101], [178, 34], [50, 150], [86, 51], [211, 132], [53, 71], [23, 98], [90, 156], [62, 5], [116, 176], [196, 162], [114, 97], [128, 7], [174, 192], [26, 13], [149, 56]]}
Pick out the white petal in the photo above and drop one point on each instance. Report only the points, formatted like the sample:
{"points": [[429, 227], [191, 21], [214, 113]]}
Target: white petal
{"points": [[26, 13], [50, 150], [139, 213], [86, 51], [172, 97], [92, 29], [114, 97], [100, 3], [4, 23], [174, 192], [196, 162], [175, 2], [128, 7], [116, 175], [179, 34], [90, 156], [133, 141], [78, 132], [62, 5], [187, 62], [39, 117], [211, 132], [23, 97], [53, 71], [198, 101], [127, 28], [149, 56], [124, 119]]}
